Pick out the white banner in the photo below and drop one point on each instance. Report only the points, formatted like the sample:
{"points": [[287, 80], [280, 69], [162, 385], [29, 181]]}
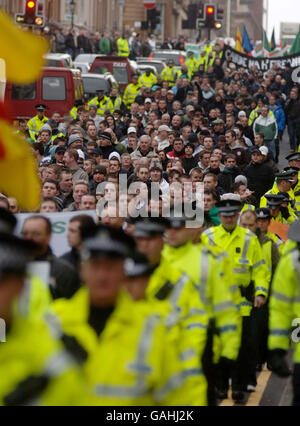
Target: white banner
{"points": [[60, 221]]}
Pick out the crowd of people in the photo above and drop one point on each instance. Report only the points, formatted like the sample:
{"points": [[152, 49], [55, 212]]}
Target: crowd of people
{"points": [[154, 311], [106, 43]]}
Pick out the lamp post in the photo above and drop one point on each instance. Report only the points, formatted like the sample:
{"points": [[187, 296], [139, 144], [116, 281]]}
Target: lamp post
{"points": [[72, 8]]}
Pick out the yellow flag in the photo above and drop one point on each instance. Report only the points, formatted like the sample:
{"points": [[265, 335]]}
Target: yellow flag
{"points": [[18, 169], [22, 51], [238, 41]]}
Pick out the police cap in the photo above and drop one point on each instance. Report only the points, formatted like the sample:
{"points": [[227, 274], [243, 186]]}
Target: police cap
{"points": [[274, 200], [150, 227], [7, 221], [14, 254], [294, 156], [106, 242], [40, 107], [284, 175], [229, 207], [137, 265], [263, 213]]}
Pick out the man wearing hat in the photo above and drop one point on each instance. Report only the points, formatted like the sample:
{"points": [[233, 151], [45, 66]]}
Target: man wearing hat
{"points": [[249, 219], [148, 79], [29, 354], [294, 160], [295, 188], [35, 124], [284, 181], [163, 137], [192, 64], [101, 102], [249, 273], [279, 205], [131, 92], [104, 318], [264, 218], [284, 314], [213, 295], [169, 74], [138, 271]]}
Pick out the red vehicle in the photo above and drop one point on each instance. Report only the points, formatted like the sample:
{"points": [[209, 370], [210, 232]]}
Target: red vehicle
{"points": [[57, 88], [120, 67]]}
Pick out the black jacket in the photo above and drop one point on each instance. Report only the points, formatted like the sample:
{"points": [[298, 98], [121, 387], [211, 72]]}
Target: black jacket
{"points": [[260, 178], [64, 277], [226, 178]]}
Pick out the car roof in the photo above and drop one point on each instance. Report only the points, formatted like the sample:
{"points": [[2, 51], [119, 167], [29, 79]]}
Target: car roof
{"points": [[98, 76], [57, 55], [179, 52]]}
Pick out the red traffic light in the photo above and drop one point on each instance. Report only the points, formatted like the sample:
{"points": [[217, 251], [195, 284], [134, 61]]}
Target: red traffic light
{"points": [[210, 10], [30, 4]]}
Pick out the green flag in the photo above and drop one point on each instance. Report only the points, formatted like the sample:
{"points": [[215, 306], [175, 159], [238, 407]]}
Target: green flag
{"points": [[296, 45], [266, 44]]}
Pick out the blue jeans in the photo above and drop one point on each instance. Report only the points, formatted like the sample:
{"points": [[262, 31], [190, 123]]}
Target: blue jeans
{"points": [[271, 147], [292, 133]]}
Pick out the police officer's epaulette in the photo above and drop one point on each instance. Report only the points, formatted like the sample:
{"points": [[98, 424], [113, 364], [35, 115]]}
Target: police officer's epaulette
{"points": [[164, 291], [74, 348], [297, 193], [27, 391]]}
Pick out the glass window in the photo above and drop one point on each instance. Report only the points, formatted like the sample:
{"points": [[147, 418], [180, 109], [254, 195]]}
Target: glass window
{"points": [[166, 56], [100, 70], [120, 75], [27, 92], [54, 89], [92, 84]]}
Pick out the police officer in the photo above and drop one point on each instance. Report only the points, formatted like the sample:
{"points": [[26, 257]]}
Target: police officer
{"points": [[139, 272], [170, 74], [192, 64], [263, 220], [212, 295], [35, 124], [148, 79], [101, 102], [115, 101], [35, 367], [123, 46], [104, 319], [250, 274], [131, 92], [284, 182], [279, 207], [284, 313], [249, 219], [295, 174], [35, 298]]}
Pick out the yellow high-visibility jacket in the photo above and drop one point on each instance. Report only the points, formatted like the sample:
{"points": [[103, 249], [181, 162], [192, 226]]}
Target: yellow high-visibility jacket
{"points": [[131, 362], [285, 305], [248, 264], [35, 124], [212, 293], [131, 92], [31, 351]]}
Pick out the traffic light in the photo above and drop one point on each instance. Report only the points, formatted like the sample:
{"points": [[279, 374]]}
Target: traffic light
{"points": [[153, 17], [33, 14], [210, 15], [30, 12], [201, 12], [220, 18]]}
